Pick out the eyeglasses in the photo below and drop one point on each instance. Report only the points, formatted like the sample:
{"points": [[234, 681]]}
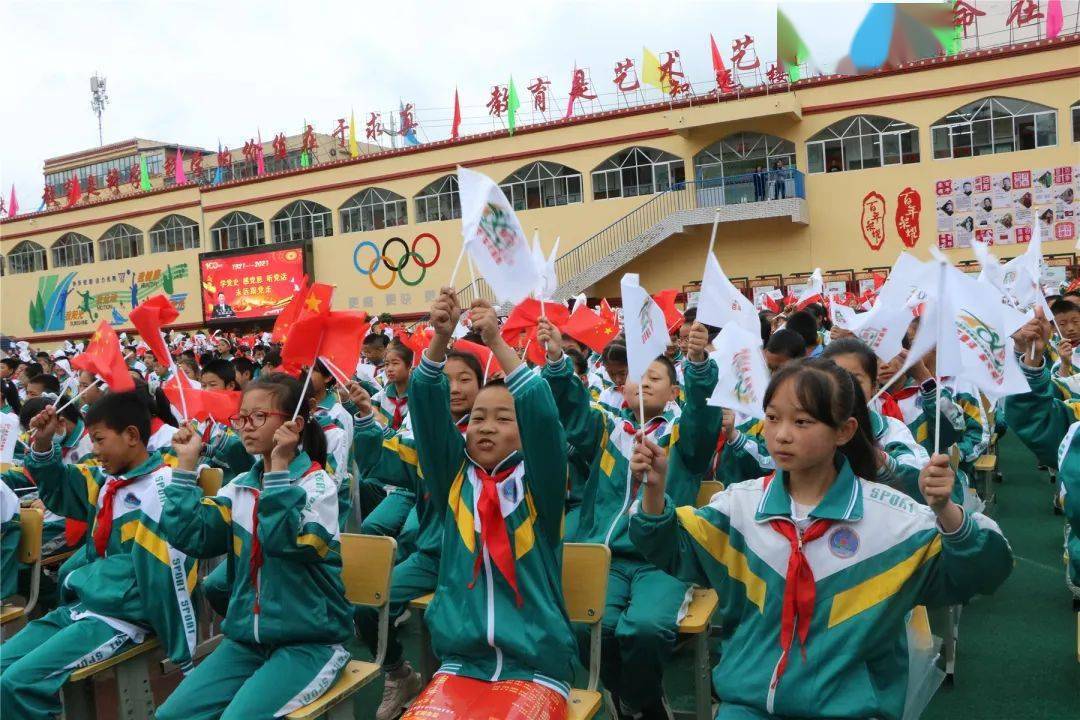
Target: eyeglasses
{"points": [[254, 420]]}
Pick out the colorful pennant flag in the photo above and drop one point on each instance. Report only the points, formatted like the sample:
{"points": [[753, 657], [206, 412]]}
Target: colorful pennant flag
{"points": [[723, 77], [512, 105], [1054, 19], [75, 191], [791, 51], [354, 147], [650, 71], [180, 177], [456, 126], [144, 174], [13, 203]]}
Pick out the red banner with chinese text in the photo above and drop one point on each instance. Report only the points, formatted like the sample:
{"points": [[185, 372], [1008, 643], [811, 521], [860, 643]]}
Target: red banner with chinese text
{"points": [[251, 285]]}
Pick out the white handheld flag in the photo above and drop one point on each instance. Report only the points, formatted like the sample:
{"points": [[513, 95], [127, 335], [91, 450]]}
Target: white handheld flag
{"points": [[545, 267], [9, 435], [884, 326], [813, 292], [494, 238], [722, 303], [646, 332], [743, 374], [844, 317]]}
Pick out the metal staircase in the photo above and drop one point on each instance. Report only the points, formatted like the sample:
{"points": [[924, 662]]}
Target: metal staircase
{"points": [[662, 216]]}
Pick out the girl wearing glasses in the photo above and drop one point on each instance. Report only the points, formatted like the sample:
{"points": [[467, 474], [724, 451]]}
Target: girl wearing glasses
{"points": [[278, 524]]}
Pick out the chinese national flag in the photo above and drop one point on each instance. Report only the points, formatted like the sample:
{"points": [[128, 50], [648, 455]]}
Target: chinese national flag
{"points": [[417, 341], [672, 317], [526, 315], [218, 405], [591, 328], [149, 317], [104, 359], [290, 314], [343, 334]]}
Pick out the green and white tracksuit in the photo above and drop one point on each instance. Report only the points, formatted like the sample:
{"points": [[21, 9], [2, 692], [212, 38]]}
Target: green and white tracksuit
{"points": [[223, 449], [10, 532], [485, 624], [872, 554], [141, 584], [287, 616], [337, 423], [391, 407], [1049, 427], [390, 457], [644, 605]]}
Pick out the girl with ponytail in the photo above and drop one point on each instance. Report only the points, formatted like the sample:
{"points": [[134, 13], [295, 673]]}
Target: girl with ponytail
{"points": [[817, 567], [287, 615]]}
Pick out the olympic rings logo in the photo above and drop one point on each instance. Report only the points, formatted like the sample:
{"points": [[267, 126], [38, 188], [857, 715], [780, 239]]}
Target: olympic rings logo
{"points": [[396, 260]]}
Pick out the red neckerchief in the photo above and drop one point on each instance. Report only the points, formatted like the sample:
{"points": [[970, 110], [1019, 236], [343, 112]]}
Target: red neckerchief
{"points": [[799, 586], [890, 408], [905, 393], [399, 413], [103, 522], [256, 561], [493, 532]]}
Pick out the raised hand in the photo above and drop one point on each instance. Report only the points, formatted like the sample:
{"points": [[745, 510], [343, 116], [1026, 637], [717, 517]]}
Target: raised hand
{"points": [[42, 428], [360, 397], [286, 440], [650, 461], [549, 337], [187, 446], [485, 322], [445, 312], [697, 342], [936, 482]]}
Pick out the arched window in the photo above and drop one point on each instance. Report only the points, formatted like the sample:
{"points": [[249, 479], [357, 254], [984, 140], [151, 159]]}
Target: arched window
{"points": [[238, 230], [120, 242], [743, 153], [26, 257], [439, 200], [301, 220], [373, 209], [72, 249], [542, 184], [1076, 120], [994, 125], [174, 232], [637, 171], [862, 141]]}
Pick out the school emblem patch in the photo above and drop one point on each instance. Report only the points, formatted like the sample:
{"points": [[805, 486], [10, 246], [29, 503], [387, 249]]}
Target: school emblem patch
{"points": [[843, 542], [509, 491], [131, 500]]}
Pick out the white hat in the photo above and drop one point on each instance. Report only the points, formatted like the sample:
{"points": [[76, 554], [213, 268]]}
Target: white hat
{"points": [[140, 366]]}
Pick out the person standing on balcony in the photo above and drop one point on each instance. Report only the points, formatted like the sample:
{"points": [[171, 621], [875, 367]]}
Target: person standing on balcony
{"points": [[759, 183], [779, 184]]}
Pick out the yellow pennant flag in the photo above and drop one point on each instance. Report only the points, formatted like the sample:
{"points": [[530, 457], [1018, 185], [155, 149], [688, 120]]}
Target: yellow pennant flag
{"points": [[354, 148], [650, 71]]}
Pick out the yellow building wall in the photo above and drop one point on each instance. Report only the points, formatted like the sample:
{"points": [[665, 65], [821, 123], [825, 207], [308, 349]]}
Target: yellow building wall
{"points": [[831, 240]]}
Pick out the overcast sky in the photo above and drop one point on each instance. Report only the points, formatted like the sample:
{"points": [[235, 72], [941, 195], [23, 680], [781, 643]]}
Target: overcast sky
{"points": [[202, 71]]}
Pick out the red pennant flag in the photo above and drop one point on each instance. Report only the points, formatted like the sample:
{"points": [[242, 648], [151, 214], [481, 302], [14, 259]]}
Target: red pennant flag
{"points": [[104, 359], [457, 118], [879, 280], [723, 77], [770, 304], [288, 316], [217, 405], [672, 317], [75, 191], [149, 317], [591, 328]]}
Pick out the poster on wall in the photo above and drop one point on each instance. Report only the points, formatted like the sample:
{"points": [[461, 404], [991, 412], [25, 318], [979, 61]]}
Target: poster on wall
{"points": [[1003, 208], [250, 284], [79, 300]]}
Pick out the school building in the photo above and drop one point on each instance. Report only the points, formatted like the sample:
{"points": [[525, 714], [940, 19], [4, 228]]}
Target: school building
{"points": [[837, 173]]}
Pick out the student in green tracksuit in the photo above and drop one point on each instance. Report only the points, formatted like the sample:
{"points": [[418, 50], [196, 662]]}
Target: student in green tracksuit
{"points": [[498, 611], [128, 581], [817, 567], [278, 526], [337, 425], [10, 532], [1049, 427], [643, 604], [390, 456]]}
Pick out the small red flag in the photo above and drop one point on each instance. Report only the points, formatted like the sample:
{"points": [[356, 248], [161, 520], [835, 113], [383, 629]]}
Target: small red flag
{"points": [[591, 328], [482, 353], [526, 315], [148, 317], [672, 317], [343, 335], [417, 341], [455, 128], [218, 405], [104, 359], [289, 315]]}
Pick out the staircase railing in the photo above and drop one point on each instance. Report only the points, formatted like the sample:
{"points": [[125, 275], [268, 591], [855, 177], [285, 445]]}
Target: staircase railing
{"points": [[715, 192]]}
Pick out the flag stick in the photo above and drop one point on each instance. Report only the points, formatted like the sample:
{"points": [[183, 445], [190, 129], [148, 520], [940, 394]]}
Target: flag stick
{"points": [[715, 224], [457, 265], [307, 379], [472, 273], [937, 366], [77, 395]]}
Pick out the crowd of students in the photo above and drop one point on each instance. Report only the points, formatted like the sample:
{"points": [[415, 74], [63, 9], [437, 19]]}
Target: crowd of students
{"points": [[835, 521]]}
